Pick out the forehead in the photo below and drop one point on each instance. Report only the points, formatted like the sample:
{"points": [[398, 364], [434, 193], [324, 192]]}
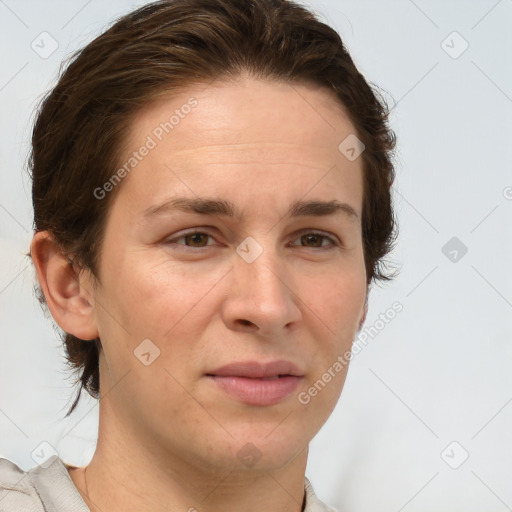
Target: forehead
{"points": [[245, 111], [242, 134]]}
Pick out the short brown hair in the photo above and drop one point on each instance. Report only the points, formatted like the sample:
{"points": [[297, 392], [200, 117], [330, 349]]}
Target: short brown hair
{"points": [[166, 46]]}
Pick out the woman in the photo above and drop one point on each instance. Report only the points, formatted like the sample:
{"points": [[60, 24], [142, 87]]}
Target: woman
{"points": [[211, 190]]}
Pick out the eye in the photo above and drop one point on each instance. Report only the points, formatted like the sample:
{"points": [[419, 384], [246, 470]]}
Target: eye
{"points": [[316, 238], [196, 239]]}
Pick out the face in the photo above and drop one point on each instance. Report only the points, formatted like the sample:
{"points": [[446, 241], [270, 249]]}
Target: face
{"points": [[220, 253]]}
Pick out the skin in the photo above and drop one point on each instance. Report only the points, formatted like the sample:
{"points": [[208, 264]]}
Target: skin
{"points": [[168, 437]]}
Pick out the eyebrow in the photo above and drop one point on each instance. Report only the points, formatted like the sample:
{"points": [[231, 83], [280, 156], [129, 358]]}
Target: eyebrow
{"points": [[220, 207]]}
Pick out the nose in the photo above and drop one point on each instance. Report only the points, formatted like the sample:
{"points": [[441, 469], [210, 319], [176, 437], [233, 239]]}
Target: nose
{"points": [[262, 296]]}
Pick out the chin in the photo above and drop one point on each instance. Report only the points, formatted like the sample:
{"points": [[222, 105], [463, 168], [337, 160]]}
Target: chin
{"points": [[260, 449]]}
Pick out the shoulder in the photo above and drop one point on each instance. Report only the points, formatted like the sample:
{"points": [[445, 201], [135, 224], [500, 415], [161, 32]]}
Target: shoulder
{"points": [[41, 488], [313, 504], [17, 491]]}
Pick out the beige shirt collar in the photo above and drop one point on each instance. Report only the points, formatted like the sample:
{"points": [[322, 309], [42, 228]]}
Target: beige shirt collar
{"points": [[49, 487]]}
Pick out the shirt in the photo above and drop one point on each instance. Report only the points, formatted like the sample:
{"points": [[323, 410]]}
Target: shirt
{"points": [[49, 488]]}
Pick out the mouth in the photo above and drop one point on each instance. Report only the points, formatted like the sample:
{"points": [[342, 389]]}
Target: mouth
{"points": [[257, 384]]}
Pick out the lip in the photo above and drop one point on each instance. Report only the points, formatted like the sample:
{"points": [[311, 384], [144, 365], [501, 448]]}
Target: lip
{"points": [[258, 384], [257, 370]]}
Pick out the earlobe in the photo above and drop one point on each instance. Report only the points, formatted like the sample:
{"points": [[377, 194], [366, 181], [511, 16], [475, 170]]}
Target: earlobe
{"points": [[68, 300]]}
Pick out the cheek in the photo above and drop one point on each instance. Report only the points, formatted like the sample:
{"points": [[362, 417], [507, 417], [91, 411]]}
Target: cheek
{"points": [[163, 301], [338, 302], [335, 313], [129, 307], [151, 289]]}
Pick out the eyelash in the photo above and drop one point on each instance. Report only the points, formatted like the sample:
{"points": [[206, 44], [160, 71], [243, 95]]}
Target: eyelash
{"points": [[172, 241]]}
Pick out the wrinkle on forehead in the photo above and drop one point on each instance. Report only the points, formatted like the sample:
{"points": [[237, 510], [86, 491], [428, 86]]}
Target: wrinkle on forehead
{"points": [[249, 111], [273, 153]]}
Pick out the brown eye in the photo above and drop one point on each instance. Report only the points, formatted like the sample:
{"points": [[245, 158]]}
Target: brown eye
{"points": [[191, 240], [197, 238], [313, 239], [316, 240]]}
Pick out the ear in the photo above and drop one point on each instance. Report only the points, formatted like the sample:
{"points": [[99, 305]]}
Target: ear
{"points": [[68, 295]]}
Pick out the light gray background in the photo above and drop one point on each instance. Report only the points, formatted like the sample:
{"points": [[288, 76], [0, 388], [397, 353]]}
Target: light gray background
{"points": [[441, 370]]}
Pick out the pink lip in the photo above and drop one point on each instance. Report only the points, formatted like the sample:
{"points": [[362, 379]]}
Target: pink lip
{"points": [[248, 381]]}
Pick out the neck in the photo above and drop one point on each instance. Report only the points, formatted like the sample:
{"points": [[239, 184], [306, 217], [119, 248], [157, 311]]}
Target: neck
{"points": [[126, 476]]}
